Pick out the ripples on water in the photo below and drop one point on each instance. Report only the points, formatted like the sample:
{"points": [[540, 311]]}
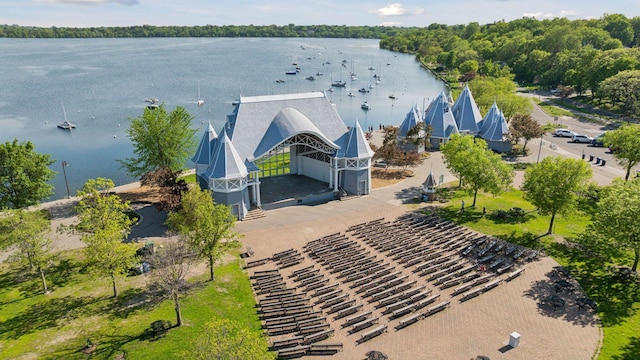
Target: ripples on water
{"points": [[103, 83]]}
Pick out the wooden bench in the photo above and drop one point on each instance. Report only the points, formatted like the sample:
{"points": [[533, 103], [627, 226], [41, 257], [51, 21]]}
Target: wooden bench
{"points": [[261, 273], [471, 294], [348, 311], [363, 324], [291, 341], [325, 348], [319, 336], [437, 308], [259, 262], [293, 351], [514, 274], [410, 320], [340, 306], [281, 329], [373, 333], [311, 329], [334, 301], [301, 271], [422, 303], [355, 319]]}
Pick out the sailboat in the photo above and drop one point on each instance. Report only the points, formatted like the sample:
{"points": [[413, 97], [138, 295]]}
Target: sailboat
{"points": [[65, 125], [200, 101]]}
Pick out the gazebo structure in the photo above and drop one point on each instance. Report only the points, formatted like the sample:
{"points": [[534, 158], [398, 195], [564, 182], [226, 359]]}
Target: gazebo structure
{"points": [[429, 188], [280, 135]]}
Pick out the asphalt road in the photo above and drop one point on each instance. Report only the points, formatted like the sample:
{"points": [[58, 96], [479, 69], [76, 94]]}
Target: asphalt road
{"points": [[552, 145]]}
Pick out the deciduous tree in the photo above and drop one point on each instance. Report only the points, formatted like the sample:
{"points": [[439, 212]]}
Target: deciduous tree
{"points": [[480, 167], [551, 185], [28, 232], [207, 227], [171, 264], [160, 139], [625, 143], [226, 339], [23, 175], [104, 224], [616, 223], [523, 126]]}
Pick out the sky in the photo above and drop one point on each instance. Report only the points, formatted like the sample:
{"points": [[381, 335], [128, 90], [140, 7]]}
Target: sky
{"points": [[95, 13]]}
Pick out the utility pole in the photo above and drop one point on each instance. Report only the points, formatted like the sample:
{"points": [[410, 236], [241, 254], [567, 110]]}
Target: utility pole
{"points": [[64, 171]]}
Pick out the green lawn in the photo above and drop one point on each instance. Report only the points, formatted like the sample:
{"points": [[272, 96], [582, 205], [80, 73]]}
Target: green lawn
{"points": [[551, 108], [57, 326], [618, 299]]}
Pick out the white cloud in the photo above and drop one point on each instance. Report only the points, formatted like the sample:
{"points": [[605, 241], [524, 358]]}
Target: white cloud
{"points": [[391, 10], [90, 2], [543, 15]]}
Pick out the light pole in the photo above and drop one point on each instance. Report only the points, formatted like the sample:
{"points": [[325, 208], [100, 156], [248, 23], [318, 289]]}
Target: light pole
{"points": [[540, 148], [64, 171]]}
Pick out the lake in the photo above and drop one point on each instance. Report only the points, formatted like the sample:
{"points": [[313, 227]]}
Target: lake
{"points": [[102, 83]]}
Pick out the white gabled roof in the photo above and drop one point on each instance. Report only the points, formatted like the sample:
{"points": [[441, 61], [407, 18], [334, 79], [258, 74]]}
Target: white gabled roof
{"points": [[466, 112], [288, 122], [205, 149], [440, 117], [225, 162], [355, 144]]}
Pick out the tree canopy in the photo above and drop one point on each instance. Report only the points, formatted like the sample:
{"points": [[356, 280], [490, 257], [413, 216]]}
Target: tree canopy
{"points": [[230, 340], [479, 168], [524, 127], [104, 224], [160, 139], [171, 265], [616, 223], [552, 185], [28, 233], [625, 144], [24, 174], [207, 227]]}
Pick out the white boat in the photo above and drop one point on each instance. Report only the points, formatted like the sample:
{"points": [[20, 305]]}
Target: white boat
{"points": [[200, 101], [65, 125], [365, 106]]}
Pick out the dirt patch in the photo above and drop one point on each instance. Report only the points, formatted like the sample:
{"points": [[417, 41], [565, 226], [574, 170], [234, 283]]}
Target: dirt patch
{"points": [[141, 194], [381, 178]]}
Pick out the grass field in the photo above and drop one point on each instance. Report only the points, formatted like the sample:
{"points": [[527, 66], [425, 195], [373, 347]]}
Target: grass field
{"points": [[58, 325], [618, 299]]}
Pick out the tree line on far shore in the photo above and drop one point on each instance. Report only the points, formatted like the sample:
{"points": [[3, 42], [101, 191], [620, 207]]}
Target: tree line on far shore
{"points": [[147, 31]]}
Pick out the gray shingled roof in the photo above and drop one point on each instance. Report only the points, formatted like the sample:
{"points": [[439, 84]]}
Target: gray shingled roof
{"points": [[354, 144], [226, 163], [494, 125], [430, 182], [412, 119], [440, 117], [288, 122], [205, 149], [466, 112], [254, 116]]}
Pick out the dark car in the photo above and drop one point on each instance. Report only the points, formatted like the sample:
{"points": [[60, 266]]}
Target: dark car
{"points": [[598, 140]]}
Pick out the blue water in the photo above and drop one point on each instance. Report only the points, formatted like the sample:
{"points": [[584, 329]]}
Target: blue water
{"points": [[103, 83]]}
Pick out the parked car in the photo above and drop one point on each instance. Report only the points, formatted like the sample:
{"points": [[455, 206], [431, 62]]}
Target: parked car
{"points": [[598, 140], [563, 133], [579, 138]]}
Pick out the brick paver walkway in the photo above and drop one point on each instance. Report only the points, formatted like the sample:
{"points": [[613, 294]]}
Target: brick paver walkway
{"points": [[480, 326]]}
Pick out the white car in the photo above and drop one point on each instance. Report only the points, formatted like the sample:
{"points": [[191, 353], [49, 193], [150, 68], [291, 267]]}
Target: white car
{"points": [[579, 138], [563, 133]]}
